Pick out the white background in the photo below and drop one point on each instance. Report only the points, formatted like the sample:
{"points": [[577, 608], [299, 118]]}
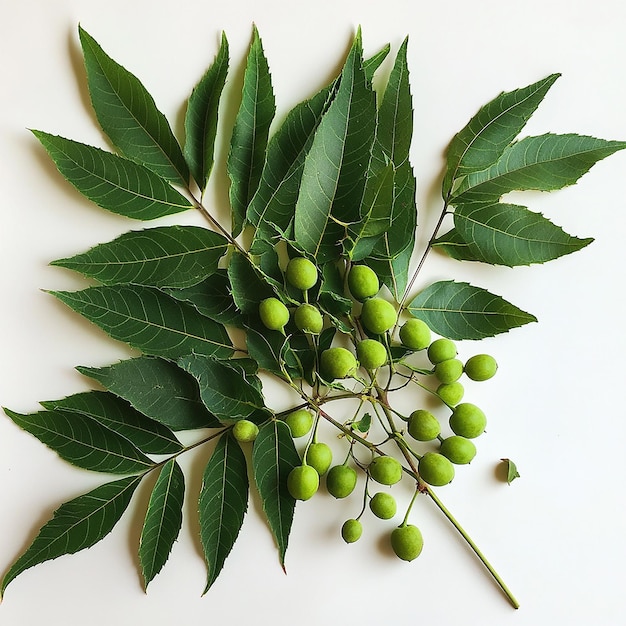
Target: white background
{"points": [[556, 406]]}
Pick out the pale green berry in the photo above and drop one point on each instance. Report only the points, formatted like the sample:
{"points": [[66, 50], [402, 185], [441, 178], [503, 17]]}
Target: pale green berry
{"points": [[415, 334], [407, 542], [245, 431], [435, 469], [423, 425], [451, 393], [378, 315], [385, 470], [299, 422], [362, 282], [274, 314], [458, 449], [371, 353], [441, 350], [449, 371], [383, 505], [303, 482], [481, 367], [351, 530], [301, 273], [337, 363], [308, 319], [341, 481], [319, 456], [467, 420]]}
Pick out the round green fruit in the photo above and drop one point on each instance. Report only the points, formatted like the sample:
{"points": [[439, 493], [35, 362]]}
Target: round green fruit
{"points": [[319, 456], [383, 505], [441, 350], [451, 393], [351, 530], [303, 482], [308, 319], [337, 363], [299, 422], [435, 469], [274, 314], [415, 334], [407, 542], [385, 470], [362, 282], [458, 449], [378, 315], [423, 425], [341, 481], [301, 273], [467, 420], [481, 367], [449, 371], [371, 353], [245, 431]]}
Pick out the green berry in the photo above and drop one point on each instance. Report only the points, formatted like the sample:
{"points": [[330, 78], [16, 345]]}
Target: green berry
{"points": [[449, 371], [423, 425], [378, 315], [299, 422], [362, 282], [407, 542], [337, 363], [308, 319], [301, 273], [302, 482], [415, 334], [245, 431], [383, 505], [385, 470], [451, 393], [458, 449], [351, 530], [435, 469], [371, 353], [341, 481], [274, 314], [467, 420], [481, 367], [319, 456], [441, 350]]}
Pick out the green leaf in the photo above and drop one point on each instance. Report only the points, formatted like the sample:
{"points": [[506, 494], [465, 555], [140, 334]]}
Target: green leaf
{"points": [[149, 436], [223, 503], [248, 284], [201, 117], [226, 391], [508, 234], [250, 133], [273, 456], [455, 246], [511, 470], [158, 389], [461, 311], [271, 350], [149, 320], [83, 442], [483, 140], [364, 424], [371, 64], [129, 116], [168, 256], [163, 520], [113, 182], [76, 525], [542, 163]]}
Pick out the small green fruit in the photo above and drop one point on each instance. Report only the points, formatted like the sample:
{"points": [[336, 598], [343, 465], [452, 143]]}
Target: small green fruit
{"points": [[337, 363], [441, 350], [341, 481], [383, 505], [362, 282], [299, 422], [385, 470], [378, 315], [371, 353], [451, 393], [245, 431], [274, 314], [423, 425], [301, 273], [308, 319], [351, 530], [407, 542], [435, 469], [467, 420], [481, 367], [458, 449], [415, 334], [303, 482], [319, 456], [449, 371]]}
